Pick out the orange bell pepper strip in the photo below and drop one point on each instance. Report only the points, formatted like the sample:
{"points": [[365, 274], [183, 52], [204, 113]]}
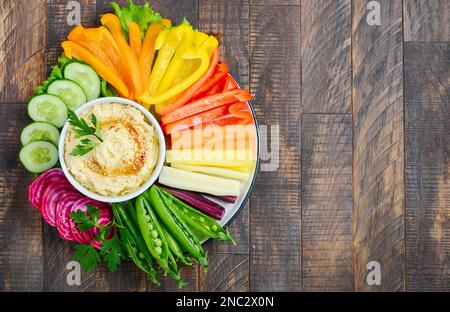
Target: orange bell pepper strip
{"points": [[184, 97], [195, 120], [78, 35], [72, 49], [129, 59], [112, 50], [93, 40], [147, 53], [134, 34], [206, 103]]}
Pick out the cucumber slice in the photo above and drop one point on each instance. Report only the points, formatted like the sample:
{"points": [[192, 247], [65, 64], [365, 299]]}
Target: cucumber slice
{"points": [[69, 92], [39, 131], [38, 156], [48, 108], [85, 77]]}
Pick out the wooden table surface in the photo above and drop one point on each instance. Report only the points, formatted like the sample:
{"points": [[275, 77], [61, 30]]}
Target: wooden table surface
{"points": [[363, 113]]}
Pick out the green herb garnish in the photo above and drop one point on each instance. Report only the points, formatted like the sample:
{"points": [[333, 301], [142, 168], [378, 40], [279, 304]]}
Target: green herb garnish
{"points": [[81, 128], [111, 250]]}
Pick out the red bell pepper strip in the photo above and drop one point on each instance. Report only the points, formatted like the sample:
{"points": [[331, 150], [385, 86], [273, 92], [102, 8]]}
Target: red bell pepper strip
{"points": [[184, 97], [198, 119], [207, 103], [230, 84], [221, 71], [242, 111], [218, 87]]}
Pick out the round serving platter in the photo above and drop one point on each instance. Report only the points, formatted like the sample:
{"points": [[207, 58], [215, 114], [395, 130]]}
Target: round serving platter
{"points": [[233, 210]]}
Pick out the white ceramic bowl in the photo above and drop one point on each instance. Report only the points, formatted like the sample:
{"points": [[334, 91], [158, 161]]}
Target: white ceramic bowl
{"points": [[156, 170]]}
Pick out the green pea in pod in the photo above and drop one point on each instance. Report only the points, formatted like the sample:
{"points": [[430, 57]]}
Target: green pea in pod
{"points": [[176, 226], [197, 220], [133, 243], [155, 239]]}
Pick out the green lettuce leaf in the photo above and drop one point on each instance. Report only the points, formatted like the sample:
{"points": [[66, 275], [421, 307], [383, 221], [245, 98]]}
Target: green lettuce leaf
{"points": [[57, 73], [143, 15], [106, 89]]}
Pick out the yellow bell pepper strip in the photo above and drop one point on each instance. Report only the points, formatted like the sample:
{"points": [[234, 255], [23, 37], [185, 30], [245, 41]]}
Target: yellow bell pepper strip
{"points": [[148, 49], [191, 53], [210, 44], [134, 34], [199, 38], [129, 59], [165, 53], [72, 49], [178, 60], [187, 95]]}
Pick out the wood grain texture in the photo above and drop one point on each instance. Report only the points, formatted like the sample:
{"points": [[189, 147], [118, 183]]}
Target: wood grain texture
{"points": [[275, 2], [227, 272], [20, 223], [326, 56], [426, 20], [21, 48], [229, 21], [275, 239], [57, 26], [427, 108], [378, 150], [327, 202]]}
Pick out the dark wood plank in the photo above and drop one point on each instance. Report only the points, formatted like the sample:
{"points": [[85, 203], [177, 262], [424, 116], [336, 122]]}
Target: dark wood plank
{"points": [[378, 151], [327, 202], [275, 239], [326, 56], [427, 20], [20, 223], [57, 27], [21, 49], [427, 116], [275, 2], [227, 272], [189, 274], [229, 21], [172, 9]]}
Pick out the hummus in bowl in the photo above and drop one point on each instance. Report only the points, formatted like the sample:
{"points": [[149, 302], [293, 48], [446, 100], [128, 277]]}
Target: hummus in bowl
{"points": [[128, 160]]}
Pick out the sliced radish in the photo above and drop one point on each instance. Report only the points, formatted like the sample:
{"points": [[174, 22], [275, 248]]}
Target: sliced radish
{"points": [[81, 204], [51, 197], [37, 187], [63, 208]]}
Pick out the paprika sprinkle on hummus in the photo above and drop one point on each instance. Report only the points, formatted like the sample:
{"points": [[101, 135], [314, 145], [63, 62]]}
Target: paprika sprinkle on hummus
{"points": [[125, 159]]}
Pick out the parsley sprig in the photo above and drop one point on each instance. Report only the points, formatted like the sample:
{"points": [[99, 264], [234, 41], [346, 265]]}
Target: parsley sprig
{"points": [[81, 128], [112, 250]]}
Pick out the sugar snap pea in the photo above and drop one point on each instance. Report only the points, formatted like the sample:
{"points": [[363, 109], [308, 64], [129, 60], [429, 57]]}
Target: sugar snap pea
{"points": [[197, 220], [155, 240], [132, 212], [134, 243], [176, 226], [175, 248]]}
